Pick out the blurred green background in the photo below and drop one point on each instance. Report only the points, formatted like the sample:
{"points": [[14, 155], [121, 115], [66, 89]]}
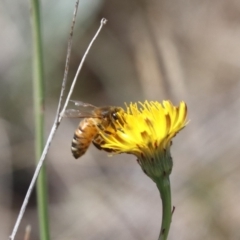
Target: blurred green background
{"points": [[154, 50]]}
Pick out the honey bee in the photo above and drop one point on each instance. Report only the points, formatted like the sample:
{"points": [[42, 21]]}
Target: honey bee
{"points": [[99, 118]]}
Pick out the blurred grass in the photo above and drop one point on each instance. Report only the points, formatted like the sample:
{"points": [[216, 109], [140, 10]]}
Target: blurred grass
{"points": [[38, 99]]}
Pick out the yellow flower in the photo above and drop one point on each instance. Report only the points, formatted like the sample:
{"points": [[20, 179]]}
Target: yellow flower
{"points": [[146, 128]]}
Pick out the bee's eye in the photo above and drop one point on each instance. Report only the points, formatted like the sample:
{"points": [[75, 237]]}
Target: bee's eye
{"points": [[114, 115]]}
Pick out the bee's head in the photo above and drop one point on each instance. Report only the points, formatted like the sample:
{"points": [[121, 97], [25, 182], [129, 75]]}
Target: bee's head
{"points": [[115, 113]]}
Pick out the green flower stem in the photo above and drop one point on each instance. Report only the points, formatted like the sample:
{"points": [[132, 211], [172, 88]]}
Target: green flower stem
{"points": [[38, 88], [164, 188]]}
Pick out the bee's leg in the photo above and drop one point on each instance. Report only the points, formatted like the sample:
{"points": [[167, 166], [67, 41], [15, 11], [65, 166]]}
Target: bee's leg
{"points": [[98, 141], [100, 126], [97, 145], [100, 148], [113, 125]]}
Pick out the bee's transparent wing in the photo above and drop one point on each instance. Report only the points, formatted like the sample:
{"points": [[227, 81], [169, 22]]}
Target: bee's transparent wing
{"points": [[82, 104], [73, 113]]}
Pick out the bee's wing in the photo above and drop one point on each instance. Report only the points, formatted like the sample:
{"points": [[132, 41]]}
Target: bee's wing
{"points": [[82, 104], [73, 113]]}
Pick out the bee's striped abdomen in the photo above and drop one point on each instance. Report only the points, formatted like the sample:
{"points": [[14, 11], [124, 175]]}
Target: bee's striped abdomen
{"points": [[83, 137]]}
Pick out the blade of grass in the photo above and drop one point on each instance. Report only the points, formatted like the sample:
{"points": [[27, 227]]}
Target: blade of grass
{"points": [[38, 99], [56, 123]]}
